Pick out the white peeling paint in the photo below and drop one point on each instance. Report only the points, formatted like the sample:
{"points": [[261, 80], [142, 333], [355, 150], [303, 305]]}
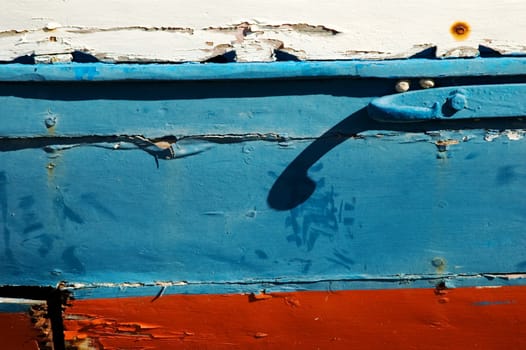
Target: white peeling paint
{"points": [[508, 277], [124, 285], [175, 31], [512, 135], [491, 135], [21, 301]]}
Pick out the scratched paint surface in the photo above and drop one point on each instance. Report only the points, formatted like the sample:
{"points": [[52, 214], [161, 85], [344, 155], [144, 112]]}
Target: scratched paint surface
{"points": [[176, 31], [243, 185], [462, 318], [139, 224]]}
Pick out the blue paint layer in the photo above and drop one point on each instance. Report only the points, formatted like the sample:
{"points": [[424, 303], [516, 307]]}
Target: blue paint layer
{"points": [[156, 109], [414, 68], [104, 215], [287, 184]]}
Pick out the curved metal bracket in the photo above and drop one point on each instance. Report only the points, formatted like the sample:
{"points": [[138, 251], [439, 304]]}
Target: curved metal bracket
{"points": [[466, 102]]}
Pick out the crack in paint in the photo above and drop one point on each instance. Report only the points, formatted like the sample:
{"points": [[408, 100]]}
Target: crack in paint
{"points": [[88, 30], [154, 144], [303, 28], [396, 278], [172, 147]]}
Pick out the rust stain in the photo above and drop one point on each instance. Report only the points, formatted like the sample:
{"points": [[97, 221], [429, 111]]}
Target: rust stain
{"points": [[460, 30], [447, 142], [50, 167], [442, 145], [439, 264]]}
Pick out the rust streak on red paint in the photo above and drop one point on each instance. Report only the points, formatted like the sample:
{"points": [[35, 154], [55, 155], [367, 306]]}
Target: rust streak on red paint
{"points": [[485, 318], [17, 332]]}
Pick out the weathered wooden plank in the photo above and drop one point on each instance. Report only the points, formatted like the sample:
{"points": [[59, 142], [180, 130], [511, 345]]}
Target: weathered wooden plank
{"points": [[401, 69], [463, 318], [275, 183], [95, 213], [148, 181], [120, 102], [196, 181], [176, 31]]}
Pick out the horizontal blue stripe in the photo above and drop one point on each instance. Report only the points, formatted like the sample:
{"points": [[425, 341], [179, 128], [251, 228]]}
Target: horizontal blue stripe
{"points": [[411, 68], [282, 184], [383, 206]]}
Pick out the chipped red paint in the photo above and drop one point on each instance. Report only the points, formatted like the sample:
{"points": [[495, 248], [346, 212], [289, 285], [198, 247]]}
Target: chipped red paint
{"points": [[17, 332], [482, 318]]}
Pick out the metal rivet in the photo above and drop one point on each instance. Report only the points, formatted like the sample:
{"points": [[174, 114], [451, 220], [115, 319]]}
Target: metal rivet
{"points": [[438, 262], [402, 86], [50, 122], [460, 30], [426, 83]]}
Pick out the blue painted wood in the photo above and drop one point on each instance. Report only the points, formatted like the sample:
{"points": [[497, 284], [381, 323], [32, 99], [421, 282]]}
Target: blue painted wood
{"points": [[279, 184], [413, 68], [156, 109]]}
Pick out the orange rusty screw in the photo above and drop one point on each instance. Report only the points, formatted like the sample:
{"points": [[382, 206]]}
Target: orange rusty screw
{"points": [[460, 30]]}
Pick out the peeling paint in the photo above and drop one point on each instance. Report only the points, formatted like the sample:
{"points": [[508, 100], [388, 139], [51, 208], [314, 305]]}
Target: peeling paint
{"points": [[162, 287], [84, 30], [164, 35], [314, 319], [512, 135], [328, 223], [42, 323], [507, 276]]}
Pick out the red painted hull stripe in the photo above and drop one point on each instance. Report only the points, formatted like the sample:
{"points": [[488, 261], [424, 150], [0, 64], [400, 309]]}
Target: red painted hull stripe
{"points": [[17, 332], [463, 318]]}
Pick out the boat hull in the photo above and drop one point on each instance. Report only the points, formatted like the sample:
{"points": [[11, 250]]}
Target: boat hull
{"points": [[268, 189]]}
